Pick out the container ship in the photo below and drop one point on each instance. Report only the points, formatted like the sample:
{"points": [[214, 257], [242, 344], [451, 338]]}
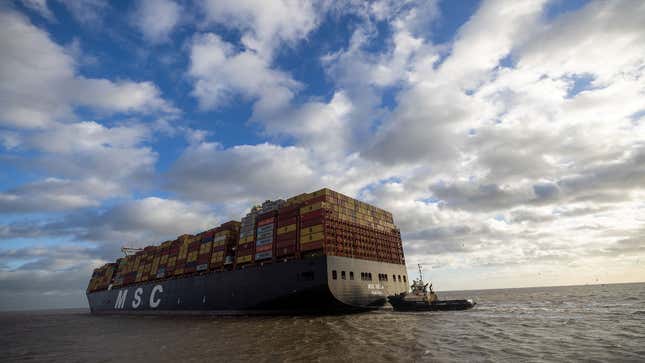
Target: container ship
{"points": [[319, 252]]}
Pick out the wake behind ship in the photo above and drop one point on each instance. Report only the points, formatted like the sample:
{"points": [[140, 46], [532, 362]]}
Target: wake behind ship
{"points": [[315, 252]]}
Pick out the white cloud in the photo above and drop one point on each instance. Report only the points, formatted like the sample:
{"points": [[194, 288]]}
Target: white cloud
{"points": [[605, 39], [325, 129], [135, 223], [54, 194], [86, 163], [87, 12], [88, 149], [253, 173], [264, 26], [147, 221], [40, 6], [487, 37], [157, 18], [221, 72], [33, 66]]}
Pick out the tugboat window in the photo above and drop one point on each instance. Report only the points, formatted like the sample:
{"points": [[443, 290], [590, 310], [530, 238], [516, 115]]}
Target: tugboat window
{"points": [[342, 275], [351, 275], [334, 275]]}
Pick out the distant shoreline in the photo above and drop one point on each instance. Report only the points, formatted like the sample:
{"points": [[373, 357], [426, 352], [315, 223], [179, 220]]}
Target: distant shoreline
{"points": [[545, 287]]}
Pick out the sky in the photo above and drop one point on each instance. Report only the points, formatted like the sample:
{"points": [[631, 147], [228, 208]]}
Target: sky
{"points": [[506, 137]]}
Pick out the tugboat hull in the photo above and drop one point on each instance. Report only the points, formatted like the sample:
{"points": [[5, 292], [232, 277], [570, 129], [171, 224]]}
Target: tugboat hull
{"points": [[399, 303]]}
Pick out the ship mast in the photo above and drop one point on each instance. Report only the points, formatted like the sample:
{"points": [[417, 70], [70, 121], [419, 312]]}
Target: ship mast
{"points": [[420, 274]]}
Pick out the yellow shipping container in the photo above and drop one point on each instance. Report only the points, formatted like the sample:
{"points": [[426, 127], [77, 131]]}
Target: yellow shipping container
{"points": [[312, 207], [313, 237], [217, 257], [192, 256], [183, 250], [155, 265], [246, 239], [287, 229], [164, 259], [313, 229], [223, 233], [243, 259], [172, 261], [205, 248], [179, 271]]}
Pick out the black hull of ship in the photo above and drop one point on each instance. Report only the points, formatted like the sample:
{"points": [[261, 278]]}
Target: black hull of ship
{"points": [[297, 286]]}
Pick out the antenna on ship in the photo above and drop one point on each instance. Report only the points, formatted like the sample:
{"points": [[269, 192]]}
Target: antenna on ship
{"points": [[420, 273], [127, 251]]}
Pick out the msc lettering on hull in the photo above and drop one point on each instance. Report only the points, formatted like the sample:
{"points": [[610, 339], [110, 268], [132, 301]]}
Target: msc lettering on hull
{"points": [[153, 300]]}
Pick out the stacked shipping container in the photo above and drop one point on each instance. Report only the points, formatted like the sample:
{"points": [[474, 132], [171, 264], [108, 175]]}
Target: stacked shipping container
{"points": [[324, 222], [286, 244], [187, 254], [257, 233], [337, 225]]}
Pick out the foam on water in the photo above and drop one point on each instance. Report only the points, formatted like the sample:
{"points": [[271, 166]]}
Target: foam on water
{"points": [[601, 323]]}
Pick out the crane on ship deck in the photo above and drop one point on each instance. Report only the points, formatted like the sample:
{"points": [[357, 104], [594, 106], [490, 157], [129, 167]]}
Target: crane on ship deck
{"points": [[128, 251]]}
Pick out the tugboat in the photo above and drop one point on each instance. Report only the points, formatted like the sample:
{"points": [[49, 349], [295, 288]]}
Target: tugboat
{"points": [[423, 298]]}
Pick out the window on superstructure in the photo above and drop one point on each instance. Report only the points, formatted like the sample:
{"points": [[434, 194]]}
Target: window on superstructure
{"points": [[404, 279], [369, 276], [394, 278], [342, 275], [351, 275], [399, 278], [334, 275]]}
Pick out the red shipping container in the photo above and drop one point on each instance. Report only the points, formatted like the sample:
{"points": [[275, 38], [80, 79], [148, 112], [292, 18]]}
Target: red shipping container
{"points": [[287, 221], [203, 258], [312, 221], [267, 247], [311, 246], [266, 221], [245, 249], [193, 246], [315, 200], [287, 236], [289, 209], [311, 215], [285, 251], [287, 243]]}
